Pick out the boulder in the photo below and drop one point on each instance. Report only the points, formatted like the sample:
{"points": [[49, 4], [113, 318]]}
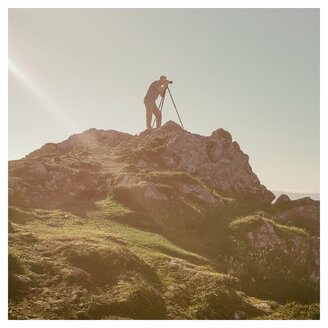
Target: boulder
{"points": [[307, 217], [265, 237], [282, 199], [80, 277], [222, 134], [201, 193], [301, 248]]}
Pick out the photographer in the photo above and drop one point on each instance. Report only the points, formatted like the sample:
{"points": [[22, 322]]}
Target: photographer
{"points": [[155, 89]]}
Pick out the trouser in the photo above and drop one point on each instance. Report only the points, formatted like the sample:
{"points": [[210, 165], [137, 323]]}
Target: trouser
{"points": [[151, 108]]}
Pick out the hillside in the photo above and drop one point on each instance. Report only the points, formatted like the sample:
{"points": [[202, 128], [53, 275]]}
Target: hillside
{"points": [[166, 224]]}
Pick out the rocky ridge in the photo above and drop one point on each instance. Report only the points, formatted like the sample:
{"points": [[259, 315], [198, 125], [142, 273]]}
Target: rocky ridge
{"points": [[87, 163]]}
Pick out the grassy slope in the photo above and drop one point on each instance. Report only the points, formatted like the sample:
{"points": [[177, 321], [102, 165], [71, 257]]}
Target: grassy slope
{"points": [[134, 273]]}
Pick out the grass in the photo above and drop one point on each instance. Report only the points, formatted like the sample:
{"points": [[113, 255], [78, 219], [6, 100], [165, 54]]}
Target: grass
{"points": [[136, 274], [149, 150], [246, 223], [294, 311], [137, 258], [288, 231], [251, 222], [169, 177]]}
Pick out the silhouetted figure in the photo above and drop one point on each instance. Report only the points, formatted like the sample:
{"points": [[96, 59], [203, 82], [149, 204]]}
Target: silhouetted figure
{"points": [[155, 89]]}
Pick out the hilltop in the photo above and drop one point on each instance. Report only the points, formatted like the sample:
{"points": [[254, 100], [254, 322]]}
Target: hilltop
{"points": [[166, 224]]}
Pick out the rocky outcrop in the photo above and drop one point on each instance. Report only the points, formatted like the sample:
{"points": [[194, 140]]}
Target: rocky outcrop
{"points": [[201, 193], [215, 159], [298, 247], [282, 199], [81, 166], [303, 212], [307, 217]]}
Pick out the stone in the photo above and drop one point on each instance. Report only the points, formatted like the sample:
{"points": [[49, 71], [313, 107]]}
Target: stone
{"points": [[143, 165], [151, 192], [80, 277], [124, 180], [307, 217], [222, 134], [200, 192], [39, 169], [302, 249], [282, 199]]}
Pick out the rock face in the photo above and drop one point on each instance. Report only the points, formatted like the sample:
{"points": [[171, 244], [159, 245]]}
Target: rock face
{"points": [[299, 248], [282, 199], [84, 165], [215, 159], [304, 213]]}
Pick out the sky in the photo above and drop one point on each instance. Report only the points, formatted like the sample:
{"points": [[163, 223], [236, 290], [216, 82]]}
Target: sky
{"points": [[253, 72]]}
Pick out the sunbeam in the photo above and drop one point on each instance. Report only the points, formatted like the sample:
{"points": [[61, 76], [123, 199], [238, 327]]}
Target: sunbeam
{"points": [[51, 105]]}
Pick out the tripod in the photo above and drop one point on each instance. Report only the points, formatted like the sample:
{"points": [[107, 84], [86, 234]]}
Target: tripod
{"points": [[161, 104]]}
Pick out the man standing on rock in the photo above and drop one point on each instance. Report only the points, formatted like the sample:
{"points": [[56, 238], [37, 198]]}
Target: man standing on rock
{"points": [[155, 89]]}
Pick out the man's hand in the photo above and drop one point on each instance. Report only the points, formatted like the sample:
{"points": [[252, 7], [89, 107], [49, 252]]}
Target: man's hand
{"points": [[167, 82], [162, 89]]}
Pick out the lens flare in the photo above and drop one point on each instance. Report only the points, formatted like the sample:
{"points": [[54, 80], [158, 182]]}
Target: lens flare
{"points": [[49, 104]]}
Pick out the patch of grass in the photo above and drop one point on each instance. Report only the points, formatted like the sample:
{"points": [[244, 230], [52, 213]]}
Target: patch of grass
{"points": [[105, 264], [287, 231], [251, 222], [132, 298], [294, 311], [136, 273], [150, 150], [202, 294], [246, 223], [148, 245], [169, 177], [110, 209]]}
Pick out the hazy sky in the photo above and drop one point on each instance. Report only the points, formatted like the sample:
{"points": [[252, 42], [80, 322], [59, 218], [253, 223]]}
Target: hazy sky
{"points": [[253, 72]]}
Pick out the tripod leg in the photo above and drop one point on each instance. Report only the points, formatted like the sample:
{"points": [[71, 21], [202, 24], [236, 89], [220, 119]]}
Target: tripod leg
{"points": [[175, 108], [161, 104]]}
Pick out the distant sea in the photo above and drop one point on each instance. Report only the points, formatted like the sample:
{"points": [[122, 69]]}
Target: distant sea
{"points": [[296, 195]]}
